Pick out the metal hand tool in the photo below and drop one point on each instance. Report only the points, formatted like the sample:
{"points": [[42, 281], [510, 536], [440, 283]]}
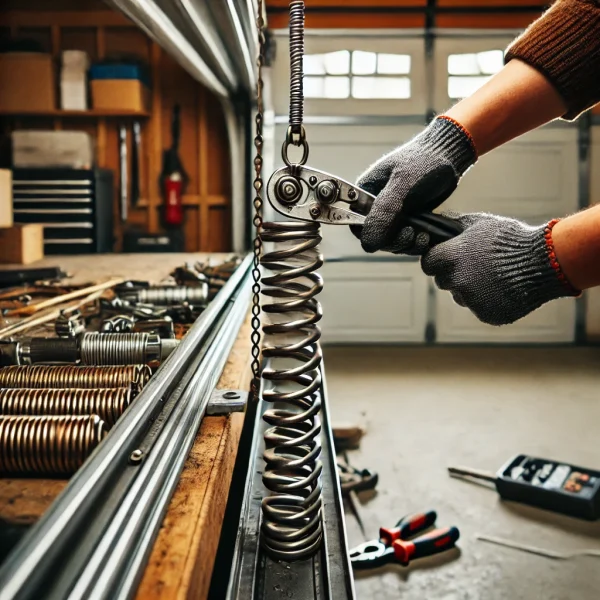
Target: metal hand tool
{"points": [[136, 153], [308, 194], [393, 545], [123, 185]]}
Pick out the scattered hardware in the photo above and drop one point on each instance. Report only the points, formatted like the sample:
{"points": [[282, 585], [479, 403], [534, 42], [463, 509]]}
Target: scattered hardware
{"points": [[347, 437], [544, 483], [46, 445], [69, 325], [539, 551], [13, 277], [118, 324], [394, 545]]}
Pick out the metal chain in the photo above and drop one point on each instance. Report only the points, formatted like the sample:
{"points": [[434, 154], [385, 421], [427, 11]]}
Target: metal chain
{"points": [[255, 336]]}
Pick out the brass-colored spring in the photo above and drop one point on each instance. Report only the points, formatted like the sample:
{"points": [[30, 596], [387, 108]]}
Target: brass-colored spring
{"points": [[50, 446], [108, 403], [42, 376]]}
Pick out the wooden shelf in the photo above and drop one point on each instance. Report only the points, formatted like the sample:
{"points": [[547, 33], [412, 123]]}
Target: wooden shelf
{"points": [[77, 114]]}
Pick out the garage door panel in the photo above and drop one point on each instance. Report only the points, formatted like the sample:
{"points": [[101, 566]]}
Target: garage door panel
{"points": [[373, 302], [552, 323]]}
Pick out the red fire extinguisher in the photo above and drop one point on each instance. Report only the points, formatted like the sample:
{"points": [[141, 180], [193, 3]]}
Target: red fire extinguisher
{"points": [[173, 177]]}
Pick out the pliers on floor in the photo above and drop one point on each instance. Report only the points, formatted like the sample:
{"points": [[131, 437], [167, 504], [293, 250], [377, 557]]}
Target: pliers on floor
{"points": [[394, 545]]}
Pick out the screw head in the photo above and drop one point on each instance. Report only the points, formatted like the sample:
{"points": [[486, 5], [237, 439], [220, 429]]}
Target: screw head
{"points": [[312, 180], [136, 456], [231, 395], [288, 190], [314, 211], [327, 192], [351, 194]]}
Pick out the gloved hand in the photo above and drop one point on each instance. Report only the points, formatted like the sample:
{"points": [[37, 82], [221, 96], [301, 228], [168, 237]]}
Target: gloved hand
{"points": [[499, 268], [416, 177]]}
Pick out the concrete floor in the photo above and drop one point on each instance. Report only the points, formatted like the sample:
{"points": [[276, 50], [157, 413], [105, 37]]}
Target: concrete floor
{"points": [[428, 408]]}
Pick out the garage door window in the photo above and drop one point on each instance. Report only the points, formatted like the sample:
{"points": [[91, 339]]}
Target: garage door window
{"points": [[357, 74], [468, 72]]}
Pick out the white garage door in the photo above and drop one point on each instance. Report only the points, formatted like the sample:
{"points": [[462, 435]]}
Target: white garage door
{"points": [[371, 299]]}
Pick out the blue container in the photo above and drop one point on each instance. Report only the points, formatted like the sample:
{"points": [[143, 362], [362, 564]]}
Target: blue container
{"points": [[120, 71]]}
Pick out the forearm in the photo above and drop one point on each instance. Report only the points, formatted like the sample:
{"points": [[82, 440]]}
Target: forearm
{"points": [[514, 101], [577, 246]]}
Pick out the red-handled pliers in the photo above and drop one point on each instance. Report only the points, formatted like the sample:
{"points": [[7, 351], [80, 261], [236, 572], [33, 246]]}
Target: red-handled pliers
{"points": [[393, 545]]}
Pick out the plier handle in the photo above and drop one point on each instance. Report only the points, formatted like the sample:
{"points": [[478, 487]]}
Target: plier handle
{"points": [[394, 545], [307, 194]]}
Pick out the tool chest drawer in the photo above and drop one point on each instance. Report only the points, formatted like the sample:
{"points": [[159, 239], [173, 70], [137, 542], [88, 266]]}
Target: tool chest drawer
{"points": [[73, 205]]}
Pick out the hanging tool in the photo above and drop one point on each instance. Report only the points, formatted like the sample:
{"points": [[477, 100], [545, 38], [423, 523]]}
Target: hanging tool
{"points": [[308, 194], [136, 153], [544, 483], [506, 543], [399, 545], [123, 190], [173, 178]]}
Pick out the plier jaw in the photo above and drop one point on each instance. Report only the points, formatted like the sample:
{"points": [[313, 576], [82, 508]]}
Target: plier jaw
{"points": [[311, 195]]}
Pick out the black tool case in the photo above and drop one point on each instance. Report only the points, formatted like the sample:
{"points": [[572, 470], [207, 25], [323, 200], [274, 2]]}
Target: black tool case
{"points": [[75, 206]]}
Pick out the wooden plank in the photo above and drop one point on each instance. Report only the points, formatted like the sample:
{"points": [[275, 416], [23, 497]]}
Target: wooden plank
{"points": [[38, 18], [182, 560]]}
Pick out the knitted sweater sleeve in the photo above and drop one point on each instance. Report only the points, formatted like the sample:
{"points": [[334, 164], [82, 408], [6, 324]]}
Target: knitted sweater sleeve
{"points": [[564, 45]]}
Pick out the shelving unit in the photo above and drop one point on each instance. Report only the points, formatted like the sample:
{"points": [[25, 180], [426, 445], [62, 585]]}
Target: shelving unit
{"points": [[91, 26], [78, 114]]}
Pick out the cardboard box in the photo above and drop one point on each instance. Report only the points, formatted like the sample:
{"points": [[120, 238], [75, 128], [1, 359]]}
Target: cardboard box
{"points": [[6, 198], [22, 244], [120, 94], [73, 80], [27, 82]]}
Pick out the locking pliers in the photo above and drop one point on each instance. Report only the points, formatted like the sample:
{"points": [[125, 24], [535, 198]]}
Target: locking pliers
{"points": [[308, 194]]}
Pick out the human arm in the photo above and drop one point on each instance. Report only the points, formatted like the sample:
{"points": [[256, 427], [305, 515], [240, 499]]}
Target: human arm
{"points": [[553, 70], [502, 269]]}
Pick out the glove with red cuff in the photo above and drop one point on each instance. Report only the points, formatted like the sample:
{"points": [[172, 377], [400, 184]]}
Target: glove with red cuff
{"points": [[499, 268]]}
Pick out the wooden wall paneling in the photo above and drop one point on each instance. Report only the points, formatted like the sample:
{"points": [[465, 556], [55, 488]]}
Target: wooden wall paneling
{"points": [[203, 157], [486, 21], [357, 20], [284, 4], [154, 143], [81, 38], [41, 34], [127, 41]]}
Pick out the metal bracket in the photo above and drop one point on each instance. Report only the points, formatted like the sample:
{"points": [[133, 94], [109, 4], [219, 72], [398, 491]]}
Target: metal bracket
{"points": [[224, 402]]}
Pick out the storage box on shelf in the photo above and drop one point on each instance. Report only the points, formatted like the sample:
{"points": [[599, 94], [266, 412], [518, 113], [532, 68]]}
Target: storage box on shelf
{"points": [[120, 87], [27, 82], [73, 80]]}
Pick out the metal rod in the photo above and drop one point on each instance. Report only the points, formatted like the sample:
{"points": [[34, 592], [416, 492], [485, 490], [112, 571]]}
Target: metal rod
{"points": [[473, 473]]}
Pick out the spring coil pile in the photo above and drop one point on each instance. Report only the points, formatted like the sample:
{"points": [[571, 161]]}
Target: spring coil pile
{"points": [[296, 116], [43, 376], [108, 403], [53, 446], [292, 520]]}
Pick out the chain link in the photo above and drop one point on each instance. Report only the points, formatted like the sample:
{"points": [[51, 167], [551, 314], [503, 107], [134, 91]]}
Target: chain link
{"points": [[255, 336]]}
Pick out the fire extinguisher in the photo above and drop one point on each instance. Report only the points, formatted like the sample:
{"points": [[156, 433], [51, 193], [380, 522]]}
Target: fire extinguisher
{"points": [[173, 178]]}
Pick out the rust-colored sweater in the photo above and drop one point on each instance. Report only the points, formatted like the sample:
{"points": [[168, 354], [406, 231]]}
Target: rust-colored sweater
{"points": [[564, 45]]}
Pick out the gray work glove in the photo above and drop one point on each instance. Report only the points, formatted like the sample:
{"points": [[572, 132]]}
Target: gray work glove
{"points": [[416, 177], [499, 268]]}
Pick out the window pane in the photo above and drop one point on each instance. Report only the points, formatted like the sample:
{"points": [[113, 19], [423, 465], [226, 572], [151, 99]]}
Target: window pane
{"points": [[363, 63], [461, 87], [314, 64], [393, 64], [463, 64], [337, 63], [381, 87], [314, 87], [337, 87], [490, 62]]}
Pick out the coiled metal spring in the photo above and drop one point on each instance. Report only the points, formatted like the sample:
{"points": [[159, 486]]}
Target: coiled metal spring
{"points": [[108, 403], [119, 348], [292, 517], [51, 446], [42, 376], [168, 295], [296, 70]]}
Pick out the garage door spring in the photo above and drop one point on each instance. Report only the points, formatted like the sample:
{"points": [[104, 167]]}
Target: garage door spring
{"points": [[168, 295], [46, 376], [292, 526], [108, 403], [49, 446]]}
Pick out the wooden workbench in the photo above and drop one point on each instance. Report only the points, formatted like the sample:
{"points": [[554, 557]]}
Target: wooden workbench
{"points": [[181, 562]]}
